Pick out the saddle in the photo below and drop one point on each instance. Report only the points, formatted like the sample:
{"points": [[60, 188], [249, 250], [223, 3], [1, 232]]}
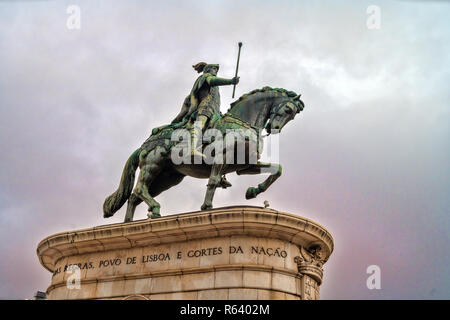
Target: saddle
{"points": [[162, 135]]}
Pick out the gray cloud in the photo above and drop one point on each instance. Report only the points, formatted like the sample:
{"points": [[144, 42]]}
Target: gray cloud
{"points": [[368, 158]]}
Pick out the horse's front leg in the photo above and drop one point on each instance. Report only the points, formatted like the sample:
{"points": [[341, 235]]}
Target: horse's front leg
{"points": [[214, 180], [261, 167]]}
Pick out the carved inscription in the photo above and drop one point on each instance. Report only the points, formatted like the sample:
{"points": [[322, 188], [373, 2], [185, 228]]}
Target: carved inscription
{"points": [[153, 257]]}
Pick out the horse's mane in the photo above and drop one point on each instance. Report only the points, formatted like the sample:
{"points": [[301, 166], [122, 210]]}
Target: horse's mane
{"points": [[264, 89]]}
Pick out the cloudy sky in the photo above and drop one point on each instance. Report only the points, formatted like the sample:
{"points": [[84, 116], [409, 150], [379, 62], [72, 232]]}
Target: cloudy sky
{"points": [[368, 158]]}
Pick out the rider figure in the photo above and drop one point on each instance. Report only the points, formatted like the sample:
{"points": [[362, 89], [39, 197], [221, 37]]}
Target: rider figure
{"points": [[205, 99]]}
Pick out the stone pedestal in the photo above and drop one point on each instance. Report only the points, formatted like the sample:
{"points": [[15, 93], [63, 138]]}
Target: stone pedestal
{"points": [[226, 253]]}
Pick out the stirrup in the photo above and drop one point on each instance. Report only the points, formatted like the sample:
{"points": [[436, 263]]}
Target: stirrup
{"points": [[195, 152]]}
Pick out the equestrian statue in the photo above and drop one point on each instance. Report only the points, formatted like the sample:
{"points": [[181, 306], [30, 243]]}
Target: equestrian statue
{"points": [[233, 141]]}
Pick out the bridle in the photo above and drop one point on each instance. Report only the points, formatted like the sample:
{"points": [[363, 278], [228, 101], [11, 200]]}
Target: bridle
{"points": [[276, 111]]}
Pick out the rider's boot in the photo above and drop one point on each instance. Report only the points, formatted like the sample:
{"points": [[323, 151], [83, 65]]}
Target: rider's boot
{"points": [[196, 144]]}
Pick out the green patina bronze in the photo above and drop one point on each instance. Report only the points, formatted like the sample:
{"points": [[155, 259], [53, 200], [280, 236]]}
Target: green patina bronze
{"points": [[269, 108]]}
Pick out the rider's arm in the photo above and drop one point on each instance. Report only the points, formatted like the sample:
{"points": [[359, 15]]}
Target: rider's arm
{"points": [[216, 81]]}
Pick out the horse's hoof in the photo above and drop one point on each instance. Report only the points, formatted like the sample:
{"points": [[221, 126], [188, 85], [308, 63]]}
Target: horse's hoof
{"points": [[251, 193], [155, 213], [151, 215], [206, 207]]}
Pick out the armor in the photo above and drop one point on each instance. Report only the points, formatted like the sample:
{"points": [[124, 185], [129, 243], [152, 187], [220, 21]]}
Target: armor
{"points": [[204, 99]]}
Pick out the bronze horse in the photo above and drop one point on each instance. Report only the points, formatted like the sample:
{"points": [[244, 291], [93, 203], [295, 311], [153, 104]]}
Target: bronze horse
{"points": [[269, 108]]}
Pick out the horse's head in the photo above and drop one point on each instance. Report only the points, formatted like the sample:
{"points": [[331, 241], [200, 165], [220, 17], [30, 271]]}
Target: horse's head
{"points": [[269, 108], [283, 112]]}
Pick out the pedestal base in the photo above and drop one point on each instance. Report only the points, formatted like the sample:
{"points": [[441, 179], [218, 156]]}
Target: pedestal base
{"points": [[226, 253]]}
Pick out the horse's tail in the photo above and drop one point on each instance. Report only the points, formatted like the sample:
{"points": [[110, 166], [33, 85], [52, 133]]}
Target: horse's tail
{"points": [[116, 200]]}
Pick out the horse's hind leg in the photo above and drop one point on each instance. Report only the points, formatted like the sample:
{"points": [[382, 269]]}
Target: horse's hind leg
{"points": [[150, 169], [261, 167], [133, 202]]}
